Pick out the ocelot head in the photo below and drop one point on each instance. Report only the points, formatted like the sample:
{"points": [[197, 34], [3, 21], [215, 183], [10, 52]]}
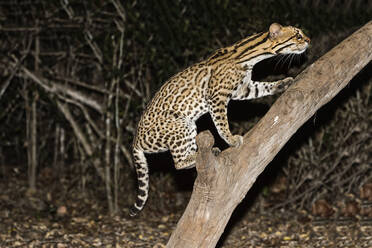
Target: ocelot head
{"points": [[285, 40]]}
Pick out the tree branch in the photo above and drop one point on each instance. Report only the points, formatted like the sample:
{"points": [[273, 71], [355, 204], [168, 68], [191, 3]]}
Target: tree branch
{"points": [[223, 181], [75, 126], [62, 89]]}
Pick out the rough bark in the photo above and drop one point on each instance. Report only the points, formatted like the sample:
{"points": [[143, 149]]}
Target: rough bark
{"points": [[223, 181]]}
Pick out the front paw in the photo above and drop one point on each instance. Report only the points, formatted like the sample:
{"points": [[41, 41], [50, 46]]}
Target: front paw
{"points": [[285, 83], [238, 140]]}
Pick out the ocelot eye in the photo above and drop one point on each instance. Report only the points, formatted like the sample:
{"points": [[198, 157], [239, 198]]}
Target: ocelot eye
{"points": [[298, 37]]}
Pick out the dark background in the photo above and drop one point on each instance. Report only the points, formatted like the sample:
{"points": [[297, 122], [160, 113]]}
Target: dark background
{"points": [[76, 46]]}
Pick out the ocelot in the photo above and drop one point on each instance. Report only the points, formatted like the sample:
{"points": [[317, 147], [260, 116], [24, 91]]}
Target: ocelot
{"points": [[168, 123]]}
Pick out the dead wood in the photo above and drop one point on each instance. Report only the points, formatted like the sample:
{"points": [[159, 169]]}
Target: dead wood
{"points": [[223, 181]]}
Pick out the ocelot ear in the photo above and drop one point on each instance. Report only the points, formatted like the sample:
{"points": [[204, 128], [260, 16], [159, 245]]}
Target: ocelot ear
{"points": [[275, 30]]}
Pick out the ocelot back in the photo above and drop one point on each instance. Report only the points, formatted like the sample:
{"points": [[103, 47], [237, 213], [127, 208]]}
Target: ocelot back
{"points": [[168, 123]]}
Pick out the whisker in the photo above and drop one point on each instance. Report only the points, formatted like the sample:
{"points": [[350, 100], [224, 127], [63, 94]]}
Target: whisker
{"points": [[298, 58], [278, 58], [291, 60], [288, 58], [282, 59]]}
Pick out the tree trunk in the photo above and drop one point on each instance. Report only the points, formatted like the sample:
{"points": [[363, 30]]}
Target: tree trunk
{"points": [[223, 181]]}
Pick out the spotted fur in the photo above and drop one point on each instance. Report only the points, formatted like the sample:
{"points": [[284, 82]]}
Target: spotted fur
{"points": [[168, 123]]}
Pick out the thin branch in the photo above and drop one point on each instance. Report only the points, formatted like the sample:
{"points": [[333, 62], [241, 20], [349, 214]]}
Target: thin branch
{"points": [[15, 69], [86, 115], [75, 126], [119, 8], [61, 89], [93, 45]]}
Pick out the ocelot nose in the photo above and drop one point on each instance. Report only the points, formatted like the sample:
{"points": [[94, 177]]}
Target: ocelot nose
{"points": [[307, 39]]}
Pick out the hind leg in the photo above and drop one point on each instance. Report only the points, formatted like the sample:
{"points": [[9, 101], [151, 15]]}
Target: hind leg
{"points": [[182, 145]]}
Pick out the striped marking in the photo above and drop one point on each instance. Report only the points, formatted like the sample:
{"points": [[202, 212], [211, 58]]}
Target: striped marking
{"points": [[247, 40], [281, 43], [253, 46], [215, 59], [283, 47], [245, 60], [226, 53]]}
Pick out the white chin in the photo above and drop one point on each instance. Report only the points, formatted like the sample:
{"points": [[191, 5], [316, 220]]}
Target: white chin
{"points": [[299, 51], [296, 51]]}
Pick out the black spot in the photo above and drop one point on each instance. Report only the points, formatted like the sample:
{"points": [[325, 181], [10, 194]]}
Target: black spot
{"points": [[141, 184], [147, 143], [141, 192], [175, 115], [247, 93], [133, 211], [256, 92], [140, 174], [140, 202]]}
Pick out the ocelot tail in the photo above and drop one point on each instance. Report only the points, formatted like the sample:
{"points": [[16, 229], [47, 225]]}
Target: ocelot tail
{"points": [[168, 123]]}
